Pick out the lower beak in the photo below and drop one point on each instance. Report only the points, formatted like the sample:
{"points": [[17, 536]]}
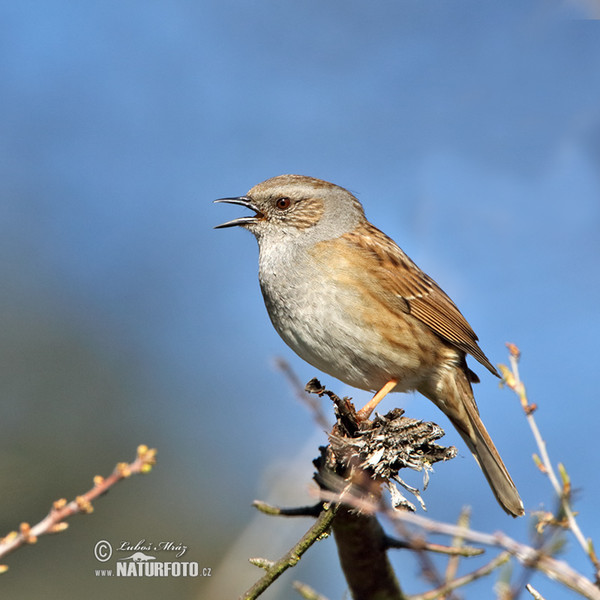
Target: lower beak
{"points": [[242, 201]]}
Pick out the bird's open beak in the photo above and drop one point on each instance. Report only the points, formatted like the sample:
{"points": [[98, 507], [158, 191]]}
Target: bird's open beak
{"points": [[242, 201]]}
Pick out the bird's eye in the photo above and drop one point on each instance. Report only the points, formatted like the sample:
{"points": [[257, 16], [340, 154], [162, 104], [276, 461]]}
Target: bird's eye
{"points": [[282, 203]]}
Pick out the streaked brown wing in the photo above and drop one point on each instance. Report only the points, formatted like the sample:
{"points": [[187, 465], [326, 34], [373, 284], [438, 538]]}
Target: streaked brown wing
{"points": [[413, 291]]}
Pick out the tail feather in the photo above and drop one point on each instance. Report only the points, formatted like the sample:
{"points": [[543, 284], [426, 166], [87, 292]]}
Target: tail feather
{"points": [[454, 397], [485, 453]]}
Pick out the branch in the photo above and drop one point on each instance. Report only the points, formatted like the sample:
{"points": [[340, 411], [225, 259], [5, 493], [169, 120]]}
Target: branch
{"points": [[301, 511], [302, 394], [275, 569], [511, 378], [536, 595], [530, 557], [307, 592], [361, 544], [557, 570], [453, 551], [496, 562], [464, 520], [55, 521], [363, 456]]}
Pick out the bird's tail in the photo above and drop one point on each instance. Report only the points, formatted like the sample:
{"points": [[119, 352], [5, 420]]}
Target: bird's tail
{"points": [[458, 404]]}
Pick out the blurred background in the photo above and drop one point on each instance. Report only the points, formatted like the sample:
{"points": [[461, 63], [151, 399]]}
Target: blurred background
{"points": [[471, 133]]}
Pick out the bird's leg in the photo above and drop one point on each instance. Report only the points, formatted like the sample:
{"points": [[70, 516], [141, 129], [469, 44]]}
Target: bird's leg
{"points": [[365, 412]]}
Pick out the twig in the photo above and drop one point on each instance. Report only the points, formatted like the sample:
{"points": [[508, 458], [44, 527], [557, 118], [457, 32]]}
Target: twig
{"points": [[55, 522], [465, 579], [536, 595], [458, 543], [512, 379], [557, 570], [420, 544], [429, 570], [306, 591], [321, 526], [313, 404], [530, 557], [302, 511]]}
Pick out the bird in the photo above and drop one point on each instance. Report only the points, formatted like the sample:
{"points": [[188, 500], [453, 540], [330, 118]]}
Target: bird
{"points": [[345, 298]]}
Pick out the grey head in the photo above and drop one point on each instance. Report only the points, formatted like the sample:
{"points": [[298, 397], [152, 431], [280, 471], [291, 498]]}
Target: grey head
{"points": [[295, 206]]}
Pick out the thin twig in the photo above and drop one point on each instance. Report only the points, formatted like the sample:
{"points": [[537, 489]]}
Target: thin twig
{"points": [[320, 526], [419, 544], [429, 570], [536, 595], [557, 570], [513, 381], [458, 543], [313, 403], [301, 511], [530, 557], [307, 592], [465, 579], [55, 522]]}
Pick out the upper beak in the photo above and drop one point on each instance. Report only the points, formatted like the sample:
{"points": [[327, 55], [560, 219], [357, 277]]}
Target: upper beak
{"points": [[242, 201]]}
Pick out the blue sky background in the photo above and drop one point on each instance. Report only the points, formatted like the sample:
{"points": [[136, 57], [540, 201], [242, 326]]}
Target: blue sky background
{"points": [[471, 133]]}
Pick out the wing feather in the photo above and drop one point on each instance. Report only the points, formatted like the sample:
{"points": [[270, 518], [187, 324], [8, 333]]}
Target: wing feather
{"points": [[412, 291]]}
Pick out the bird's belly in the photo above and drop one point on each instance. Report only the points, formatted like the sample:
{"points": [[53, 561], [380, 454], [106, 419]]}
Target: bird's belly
{"points": [[331, 333]]}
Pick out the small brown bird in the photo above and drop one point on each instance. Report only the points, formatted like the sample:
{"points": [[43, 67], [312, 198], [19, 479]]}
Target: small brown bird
{"points": [[348, 300]]}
